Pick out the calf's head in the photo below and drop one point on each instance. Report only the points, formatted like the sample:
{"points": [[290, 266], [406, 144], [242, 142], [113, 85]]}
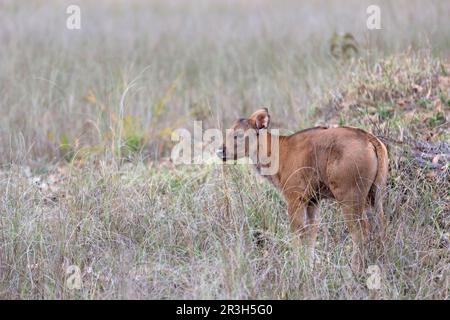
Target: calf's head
{"points": [[240, 139]]}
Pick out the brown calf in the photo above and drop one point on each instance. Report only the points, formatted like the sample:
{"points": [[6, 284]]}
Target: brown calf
{"points": [[344, 163]]}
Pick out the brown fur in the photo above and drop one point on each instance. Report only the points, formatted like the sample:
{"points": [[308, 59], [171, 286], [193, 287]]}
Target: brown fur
{"points": [[344, 163]]}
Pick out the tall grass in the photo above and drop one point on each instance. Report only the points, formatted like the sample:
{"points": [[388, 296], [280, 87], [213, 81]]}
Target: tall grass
{"points": [[160, 233]]}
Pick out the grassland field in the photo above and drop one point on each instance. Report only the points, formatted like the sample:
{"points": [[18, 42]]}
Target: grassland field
{"points": [[86, 116]]}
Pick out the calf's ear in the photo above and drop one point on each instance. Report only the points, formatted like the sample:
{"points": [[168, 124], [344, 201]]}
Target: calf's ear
{"points": [[260, 119]]}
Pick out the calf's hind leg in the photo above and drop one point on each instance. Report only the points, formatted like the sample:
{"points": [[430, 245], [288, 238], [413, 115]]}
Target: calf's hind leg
{"points": [[312, 213], [353, 204]]}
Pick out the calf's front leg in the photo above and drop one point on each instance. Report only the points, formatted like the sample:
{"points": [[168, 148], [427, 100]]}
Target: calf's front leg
{"points": [[302, 218]]}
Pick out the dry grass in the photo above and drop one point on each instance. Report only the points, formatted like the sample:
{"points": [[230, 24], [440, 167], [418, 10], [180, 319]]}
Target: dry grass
{"points": [[85, 181]]}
